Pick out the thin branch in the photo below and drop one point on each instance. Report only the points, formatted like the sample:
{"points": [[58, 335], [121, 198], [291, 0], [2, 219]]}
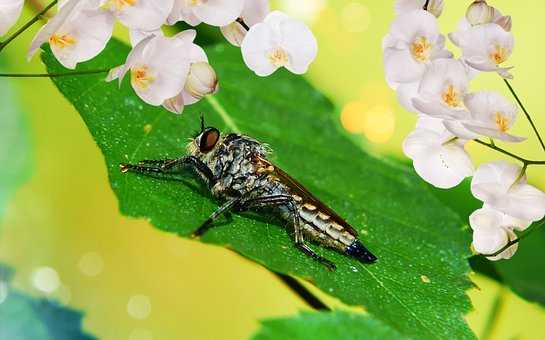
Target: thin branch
{"points": [[305, 294], [515, 241], [53, 75], [525, 112], [27, 25], [243, 24], [505, 152], [426, 5]]}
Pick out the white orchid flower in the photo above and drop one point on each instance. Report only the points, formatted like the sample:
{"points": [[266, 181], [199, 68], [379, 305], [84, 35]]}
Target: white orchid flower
{"points": [[10, 11], [435, 7], [77, 33], [136, 36], [442, 90], [201, 79], [492, 230], [413, 42], [438, 157], [143, 15], [158, 67], [486, 47], [491, 115], [502, 186], [212, 12], [279, 41], [254, 12]]}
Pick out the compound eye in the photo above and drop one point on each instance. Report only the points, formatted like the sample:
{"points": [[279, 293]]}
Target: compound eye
{"points": [[208, 139]]}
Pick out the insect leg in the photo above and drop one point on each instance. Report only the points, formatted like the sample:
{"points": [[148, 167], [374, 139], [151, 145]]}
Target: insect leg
{"points": [[289, 202], [206, 225], [167, 166]]}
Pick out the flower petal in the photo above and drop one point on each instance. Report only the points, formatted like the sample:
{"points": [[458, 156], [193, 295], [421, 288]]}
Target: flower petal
{"points": [[219, 12], [258, 41], [442, 165], [10, 11], [300, 43]]}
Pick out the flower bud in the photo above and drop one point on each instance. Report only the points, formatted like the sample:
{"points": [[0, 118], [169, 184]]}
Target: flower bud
{"points": [[201, 80], [479, 12], [435, 7], [234, 33], [505, 22]]}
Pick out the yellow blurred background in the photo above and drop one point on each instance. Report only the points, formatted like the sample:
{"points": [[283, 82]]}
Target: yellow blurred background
{"points": [[63, 233]]}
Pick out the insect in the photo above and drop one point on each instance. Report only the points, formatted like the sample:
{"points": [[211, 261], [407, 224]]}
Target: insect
{"points": [[236, 170]]}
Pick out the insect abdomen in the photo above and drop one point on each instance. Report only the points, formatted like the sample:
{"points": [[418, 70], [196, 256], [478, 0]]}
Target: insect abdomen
{"points": [[322, 228]]}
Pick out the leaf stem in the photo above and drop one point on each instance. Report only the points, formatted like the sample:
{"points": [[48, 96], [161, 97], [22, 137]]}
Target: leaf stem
{"points": [[525, 161], [515, 241], [27, 25], [525, 112], [300, 290], [53, 75]]}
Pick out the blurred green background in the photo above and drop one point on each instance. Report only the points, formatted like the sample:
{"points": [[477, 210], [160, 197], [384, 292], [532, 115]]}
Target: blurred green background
{"points": [[135, 282]]}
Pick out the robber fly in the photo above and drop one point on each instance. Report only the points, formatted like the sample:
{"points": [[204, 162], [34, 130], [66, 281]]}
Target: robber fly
{"points": [[236, 170]]}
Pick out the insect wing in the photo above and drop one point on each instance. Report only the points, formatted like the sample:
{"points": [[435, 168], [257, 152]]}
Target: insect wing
{"points": [[298, 189]]}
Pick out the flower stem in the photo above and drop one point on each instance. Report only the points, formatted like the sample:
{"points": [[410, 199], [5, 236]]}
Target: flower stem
{"points": [[243, 24], [525, 112], [515, 241], [27, 25], [52, 75], [525, 161]]}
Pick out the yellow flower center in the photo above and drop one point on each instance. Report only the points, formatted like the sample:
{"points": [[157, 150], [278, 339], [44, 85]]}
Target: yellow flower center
{"points": [[141, 77], [119, 4], [62, 40], [420, 49], [499, 54], [451, 97], [194, 2], [278, 57], [502, 122]]}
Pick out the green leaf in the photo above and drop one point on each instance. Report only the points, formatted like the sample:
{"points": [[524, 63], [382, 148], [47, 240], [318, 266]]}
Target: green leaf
{"points": [[23, 317], [326, 326], [524, 273], [15, 147], [418, 284]]}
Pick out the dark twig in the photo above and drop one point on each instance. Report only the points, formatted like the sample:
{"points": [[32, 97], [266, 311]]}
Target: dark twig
{"points": [[426, 5], [243, 24], [515, 241], [52, 75], [505, 152], [27, 25], [525, 112], [302, 292]]}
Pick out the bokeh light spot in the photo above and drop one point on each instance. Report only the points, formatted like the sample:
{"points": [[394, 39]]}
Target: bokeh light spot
{"points": [[139, 307], [306, 10], [355, 17], [46, 279], [91, 264], [352, 116], [379, 124]]}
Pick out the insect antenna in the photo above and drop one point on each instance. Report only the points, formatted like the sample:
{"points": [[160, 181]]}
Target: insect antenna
{"points": [[202, 122]]}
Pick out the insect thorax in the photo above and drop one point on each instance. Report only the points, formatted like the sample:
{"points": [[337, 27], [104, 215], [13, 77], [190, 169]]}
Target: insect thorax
{"points": [[233, 163]]}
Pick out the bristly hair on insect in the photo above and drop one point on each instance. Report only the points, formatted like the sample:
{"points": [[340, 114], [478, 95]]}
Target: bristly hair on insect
{"points": [[237, 172]]}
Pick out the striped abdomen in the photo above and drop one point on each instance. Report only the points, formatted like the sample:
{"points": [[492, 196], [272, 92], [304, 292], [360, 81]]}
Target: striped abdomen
{"points": [[323, 228]]}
